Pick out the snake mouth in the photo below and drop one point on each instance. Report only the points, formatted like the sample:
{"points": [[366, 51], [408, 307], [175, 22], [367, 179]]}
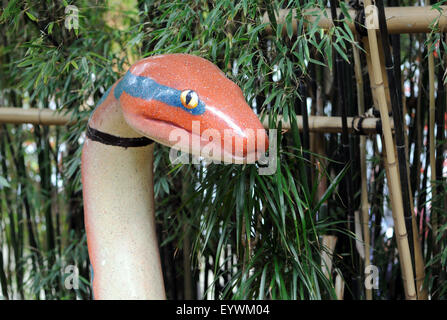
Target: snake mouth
{"points": [[217, 148]]}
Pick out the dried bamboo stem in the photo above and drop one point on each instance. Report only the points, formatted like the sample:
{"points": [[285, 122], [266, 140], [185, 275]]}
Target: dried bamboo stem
{"points": [[49, 117], [328, 243], [399, 19], [393, 74], [418, 256], [431, 127], [339, 286], [393, 177], [375, 100], [330, 124], [432, 146], [376, 103], [421, 290], [33, 116], [364, 193]]}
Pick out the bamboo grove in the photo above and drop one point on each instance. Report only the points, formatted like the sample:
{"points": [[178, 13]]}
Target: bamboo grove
{"points": [[370, 196]]}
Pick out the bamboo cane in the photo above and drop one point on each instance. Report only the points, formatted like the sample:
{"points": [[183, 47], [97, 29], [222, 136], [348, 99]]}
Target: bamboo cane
{"points": [[385, 163], [394, 208], [340, 72], [328, 243], [316, 123], [375, 99], [431, 126], [331, 124], [440, 203], [386, 86], [432, 146], [364, 193], [421, 290], [393, 177], [399, 19], [339, 286], [317, 147], [317, 140], [33, 116], [399, 129]]}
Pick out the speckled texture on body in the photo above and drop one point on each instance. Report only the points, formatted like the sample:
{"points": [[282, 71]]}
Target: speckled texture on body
{"points": [[119, 213]]}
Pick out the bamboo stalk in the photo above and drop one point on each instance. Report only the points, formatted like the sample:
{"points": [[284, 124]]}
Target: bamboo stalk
{"points": [[399, 19], [439, 203], [419, 119], [379, 189], [318, 147], [187, 276], [339, 286], [340, 72], [364, 190], [317, 140], [6, 208], [4, 173], [393, 177], [328, 243], [431, 127], [421, 290], [432, 146], [423, 207], [3, 282], [316, 123], [396, 105], [15, 221], [305, 130], [33, 116], [418, 256], [394, 208]]}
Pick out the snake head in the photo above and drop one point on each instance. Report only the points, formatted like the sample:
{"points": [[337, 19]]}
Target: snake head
{"points": [[186, 102]]}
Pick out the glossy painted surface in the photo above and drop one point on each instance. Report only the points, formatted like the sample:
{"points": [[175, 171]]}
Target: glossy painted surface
{"points": [[158, 95], [225, 108]]}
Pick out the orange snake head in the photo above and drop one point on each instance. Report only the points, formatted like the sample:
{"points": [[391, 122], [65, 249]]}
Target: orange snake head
{"points": [[186, 102]]}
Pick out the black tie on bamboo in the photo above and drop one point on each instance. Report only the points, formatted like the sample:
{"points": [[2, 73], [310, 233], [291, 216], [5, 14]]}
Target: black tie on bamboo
{"points": [[111, 140], [359, 20], [357, 125]]}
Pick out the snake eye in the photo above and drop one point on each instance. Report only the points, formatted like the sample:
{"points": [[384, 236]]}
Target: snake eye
{"points": [[189, 99]]}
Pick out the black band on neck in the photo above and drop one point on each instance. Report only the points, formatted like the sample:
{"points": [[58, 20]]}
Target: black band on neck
{"points": [[112, 140]]}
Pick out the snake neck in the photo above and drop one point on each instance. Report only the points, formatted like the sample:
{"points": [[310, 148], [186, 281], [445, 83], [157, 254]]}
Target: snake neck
{"points": [[119, 211]]}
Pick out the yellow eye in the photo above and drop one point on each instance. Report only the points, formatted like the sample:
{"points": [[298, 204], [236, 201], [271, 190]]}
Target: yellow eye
{"points": [[189, 99]]}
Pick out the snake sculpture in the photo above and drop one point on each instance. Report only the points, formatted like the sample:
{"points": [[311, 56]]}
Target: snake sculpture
{"points": [[157, 95]]}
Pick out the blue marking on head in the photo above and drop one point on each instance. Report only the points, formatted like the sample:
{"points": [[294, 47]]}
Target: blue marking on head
{"points": [[148, 89]]}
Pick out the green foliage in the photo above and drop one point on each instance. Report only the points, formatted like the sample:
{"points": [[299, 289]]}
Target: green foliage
{"points": [[248, 236], [268, 222]]}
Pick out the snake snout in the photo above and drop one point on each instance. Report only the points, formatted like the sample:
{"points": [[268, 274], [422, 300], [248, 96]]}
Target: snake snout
{"points": [[247, 145]]}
